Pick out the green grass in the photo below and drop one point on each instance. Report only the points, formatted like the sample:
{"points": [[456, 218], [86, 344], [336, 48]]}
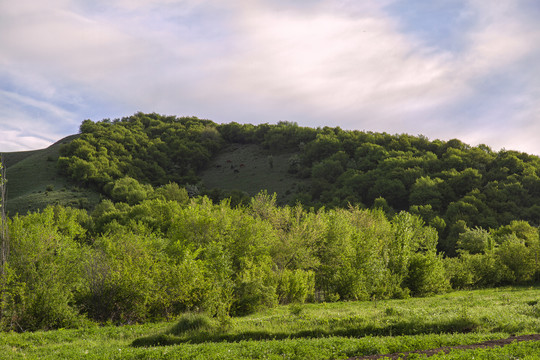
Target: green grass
{"points": [[318, 331], [255, 174], [33, 182], [523, 350]]}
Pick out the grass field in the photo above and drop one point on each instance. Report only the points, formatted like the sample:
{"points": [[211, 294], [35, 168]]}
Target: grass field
{"points": [[247, 168], [311, 331], [33, 182]]}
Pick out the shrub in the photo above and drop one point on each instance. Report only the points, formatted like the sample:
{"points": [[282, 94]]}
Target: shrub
{"points": [[191, 322], [459, 273], [517, 257], [252, 296], [475, 241], [426, 275], [295, 286]]}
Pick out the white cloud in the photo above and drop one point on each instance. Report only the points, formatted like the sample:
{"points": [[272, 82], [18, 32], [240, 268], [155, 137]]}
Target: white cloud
{"points": [[27, 123], [330, 65], [18, 141], [318, 63]]}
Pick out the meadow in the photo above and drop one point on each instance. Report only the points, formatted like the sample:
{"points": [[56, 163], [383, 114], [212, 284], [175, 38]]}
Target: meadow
{"points": [[338, 330]]}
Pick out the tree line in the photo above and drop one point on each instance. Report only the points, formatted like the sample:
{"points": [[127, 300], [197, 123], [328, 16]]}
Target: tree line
{"points": [[168, 254]]}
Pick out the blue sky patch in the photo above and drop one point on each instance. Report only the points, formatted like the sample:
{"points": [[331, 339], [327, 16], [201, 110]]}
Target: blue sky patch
{"points": [[440, 24]]}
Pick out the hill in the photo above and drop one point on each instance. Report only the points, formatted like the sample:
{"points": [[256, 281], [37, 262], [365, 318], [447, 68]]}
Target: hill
{"points": [[34, 182], [452, 186], [373, 216]]}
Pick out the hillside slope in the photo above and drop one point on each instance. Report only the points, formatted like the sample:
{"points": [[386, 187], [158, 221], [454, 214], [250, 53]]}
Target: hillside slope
{"points": [[250, 169], [34, 182]]}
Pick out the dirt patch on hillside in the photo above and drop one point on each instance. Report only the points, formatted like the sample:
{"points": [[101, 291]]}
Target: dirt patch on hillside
{"points": [[446, 349]]}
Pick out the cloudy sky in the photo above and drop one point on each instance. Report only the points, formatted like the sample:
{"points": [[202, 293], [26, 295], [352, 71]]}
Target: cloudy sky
{"points": [[467, 69]]}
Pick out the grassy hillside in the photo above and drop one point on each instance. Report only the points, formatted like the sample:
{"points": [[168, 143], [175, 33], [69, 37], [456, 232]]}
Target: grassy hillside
{"points": [[34, 182], [250, 168]]}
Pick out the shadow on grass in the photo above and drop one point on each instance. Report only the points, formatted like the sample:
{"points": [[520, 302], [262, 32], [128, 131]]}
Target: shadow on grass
{"points": [[197, 336]]}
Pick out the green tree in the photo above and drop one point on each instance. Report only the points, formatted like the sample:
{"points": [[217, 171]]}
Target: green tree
{"points": [[128, 190], [426, 191], [475, 241], [518, 258]]}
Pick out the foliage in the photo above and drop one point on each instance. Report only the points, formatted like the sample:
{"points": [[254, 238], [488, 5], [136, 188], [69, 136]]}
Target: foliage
{"points": [[379, 216], [165, 255], [475, 241], [296, 286], [45, 258], [148, 148]]}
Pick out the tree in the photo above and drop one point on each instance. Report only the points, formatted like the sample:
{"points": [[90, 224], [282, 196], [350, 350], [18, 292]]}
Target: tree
{"points": [[128, 190], [426, 191], [475, 241], [4, 245]]}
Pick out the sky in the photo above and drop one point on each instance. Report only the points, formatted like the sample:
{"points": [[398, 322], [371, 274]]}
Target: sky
{"points": [[466, 69]]}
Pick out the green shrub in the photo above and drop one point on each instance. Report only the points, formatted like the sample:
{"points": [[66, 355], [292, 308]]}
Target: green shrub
{"points": [[252, 296], [426, 275], [518, 258], [459, 273], [295, 286], [192, 322]]}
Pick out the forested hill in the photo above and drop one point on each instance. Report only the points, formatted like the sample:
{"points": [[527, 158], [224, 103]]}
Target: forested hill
{"points": [[451, 185]]}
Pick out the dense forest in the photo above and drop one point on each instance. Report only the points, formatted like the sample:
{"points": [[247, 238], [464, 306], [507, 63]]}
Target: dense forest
{"points": [[450, 185], [384, 216]]}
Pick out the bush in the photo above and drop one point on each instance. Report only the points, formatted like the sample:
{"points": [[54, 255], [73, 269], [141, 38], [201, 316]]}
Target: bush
{"points": [[487, 270], [45, 262], [458, 273], [46, 307], [295, 286], [192, 322], [252, 296], [426, 275], [518, 258], [128, 190], [475, 241]]}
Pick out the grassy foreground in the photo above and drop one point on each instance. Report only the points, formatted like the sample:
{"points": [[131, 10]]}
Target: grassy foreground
{"points": [[312, 331]]}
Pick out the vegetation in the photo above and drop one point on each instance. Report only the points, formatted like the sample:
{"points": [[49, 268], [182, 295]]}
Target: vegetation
{"points": [[450, 185], [170, 254], [161, 233], [150, 148], [319, 331]]}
